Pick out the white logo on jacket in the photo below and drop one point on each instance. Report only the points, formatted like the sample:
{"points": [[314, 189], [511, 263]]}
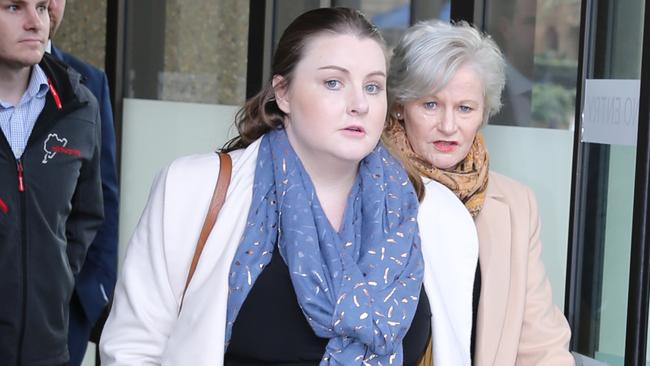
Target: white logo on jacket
{"points": [[51, 145]]}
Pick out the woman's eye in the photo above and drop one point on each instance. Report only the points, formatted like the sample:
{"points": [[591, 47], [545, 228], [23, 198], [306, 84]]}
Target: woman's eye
{"points": [[373, 89], [465, 109], [332, 84], [430, 105]]}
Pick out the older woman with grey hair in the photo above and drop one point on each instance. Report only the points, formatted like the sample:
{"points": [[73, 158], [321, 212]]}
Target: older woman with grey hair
{"points": [[445, 81]]}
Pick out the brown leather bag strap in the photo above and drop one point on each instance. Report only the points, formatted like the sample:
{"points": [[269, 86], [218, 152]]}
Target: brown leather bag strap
{"points": [[218, 197]]}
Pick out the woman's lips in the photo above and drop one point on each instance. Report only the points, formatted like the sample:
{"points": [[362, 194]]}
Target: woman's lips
{"points": [[354, 131], [445, 146]]}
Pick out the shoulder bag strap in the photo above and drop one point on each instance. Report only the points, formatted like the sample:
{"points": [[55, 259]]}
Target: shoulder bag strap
{"points": [[218, 197]]}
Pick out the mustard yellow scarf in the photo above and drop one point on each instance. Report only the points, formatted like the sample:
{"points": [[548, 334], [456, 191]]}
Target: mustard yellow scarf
{"points": [[468, 180]]}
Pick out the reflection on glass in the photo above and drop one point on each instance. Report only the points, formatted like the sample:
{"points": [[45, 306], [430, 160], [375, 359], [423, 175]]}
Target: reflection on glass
{"points": [[610, 346], [539, 39], [394, 16]]}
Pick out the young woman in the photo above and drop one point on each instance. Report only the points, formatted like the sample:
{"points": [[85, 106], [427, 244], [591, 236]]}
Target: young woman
{"points": [[315, 257], [445, 82]]}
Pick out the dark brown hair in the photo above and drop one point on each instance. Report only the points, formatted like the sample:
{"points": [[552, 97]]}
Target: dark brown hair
{"points": [[260, 113]]}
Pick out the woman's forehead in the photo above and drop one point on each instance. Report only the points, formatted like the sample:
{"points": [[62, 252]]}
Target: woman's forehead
{"points": [[344, 50]]}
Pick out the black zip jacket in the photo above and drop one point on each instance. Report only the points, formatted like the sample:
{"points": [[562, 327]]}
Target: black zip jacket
{"points": [[50, 209]]}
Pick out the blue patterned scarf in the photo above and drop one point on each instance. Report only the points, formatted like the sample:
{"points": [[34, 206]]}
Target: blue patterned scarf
{"points": [[358, 287]]}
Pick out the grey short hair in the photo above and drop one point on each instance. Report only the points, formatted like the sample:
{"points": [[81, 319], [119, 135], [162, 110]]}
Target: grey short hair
{"points": [[430, 53]]}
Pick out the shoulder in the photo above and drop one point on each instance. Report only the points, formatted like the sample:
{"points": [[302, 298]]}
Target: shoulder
{"points": [[194, 171], [87, 70], [507, 196], [504, 183], [193, 167], [508, 190], [84, 94], [89, 111]]}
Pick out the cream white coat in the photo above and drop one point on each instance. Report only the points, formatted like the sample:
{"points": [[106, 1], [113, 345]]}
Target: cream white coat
{"points": [[145, 326]]}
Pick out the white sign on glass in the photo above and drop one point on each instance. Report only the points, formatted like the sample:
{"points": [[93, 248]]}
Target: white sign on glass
{"points": [[610, 114]]}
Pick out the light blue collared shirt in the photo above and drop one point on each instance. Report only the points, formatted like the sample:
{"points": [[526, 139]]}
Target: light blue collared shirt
{"points": [[17, 121]]}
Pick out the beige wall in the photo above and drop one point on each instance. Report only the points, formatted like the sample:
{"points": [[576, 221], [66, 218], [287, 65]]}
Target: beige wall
{"points": [[206, 47], [156, 133], [83, 31]]}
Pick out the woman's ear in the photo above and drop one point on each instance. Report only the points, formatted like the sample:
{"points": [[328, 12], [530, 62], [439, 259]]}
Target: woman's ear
{"points": [[397, 112], [281, 91]]}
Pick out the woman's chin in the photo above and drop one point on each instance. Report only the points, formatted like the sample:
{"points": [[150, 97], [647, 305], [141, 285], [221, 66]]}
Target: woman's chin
{"points": [[444, 164], [356, 154]]}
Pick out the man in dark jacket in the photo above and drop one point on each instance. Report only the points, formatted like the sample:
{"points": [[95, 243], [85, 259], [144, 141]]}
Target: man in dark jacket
{"points": [[50, 187], [94, 284]]}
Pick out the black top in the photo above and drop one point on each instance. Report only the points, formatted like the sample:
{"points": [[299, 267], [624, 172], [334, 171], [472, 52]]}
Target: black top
{"points": [[475, 299], [271, 328]]}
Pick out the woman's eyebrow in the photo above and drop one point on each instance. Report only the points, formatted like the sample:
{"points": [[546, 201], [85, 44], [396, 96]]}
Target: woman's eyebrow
{"points": [[334, 67], [344, 70]]}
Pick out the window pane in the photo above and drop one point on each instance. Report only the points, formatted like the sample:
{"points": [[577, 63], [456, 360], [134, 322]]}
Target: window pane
{"points": [[539, 39], [394, 16], [187, 50]]}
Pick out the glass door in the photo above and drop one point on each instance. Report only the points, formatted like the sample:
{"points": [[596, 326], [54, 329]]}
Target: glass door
{"points": [[603, 188], [532, 138]]}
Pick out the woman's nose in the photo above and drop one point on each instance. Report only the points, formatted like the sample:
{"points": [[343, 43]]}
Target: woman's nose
{"points": [[357, 103], [448, 123]]}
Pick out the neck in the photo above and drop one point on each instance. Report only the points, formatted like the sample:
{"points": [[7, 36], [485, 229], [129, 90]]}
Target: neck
{"points": [[333, 185], [13, 83]]}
